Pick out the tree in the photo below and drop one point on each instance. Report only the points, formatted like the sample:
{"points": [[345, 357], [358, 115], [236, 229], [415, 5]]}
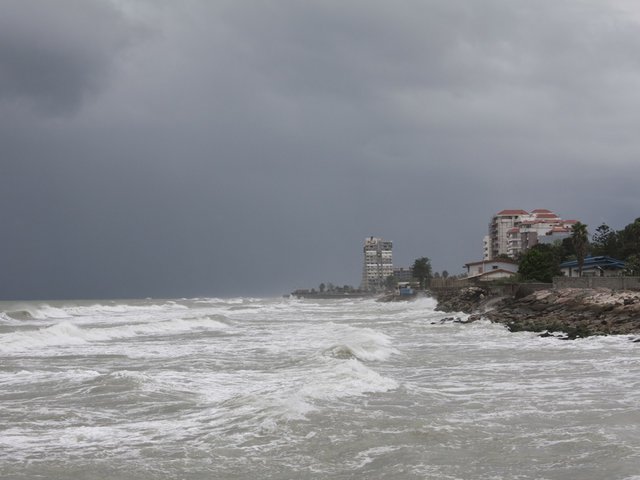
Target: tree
{"points": [[390, 282], [321, 287], [567, 252], [630, 239], [580, 241], [605, 241], [632, 266], [540, 263], [445, 274], [422, 270]]}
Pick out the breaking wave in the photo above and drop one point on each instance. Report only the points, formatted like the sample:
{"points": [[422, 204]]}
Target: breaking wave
{"points": [[362, 344], [67, 333]]}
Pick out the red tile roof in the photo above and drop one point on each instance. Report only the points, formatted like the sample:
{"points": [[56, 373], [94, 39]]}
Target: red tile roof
{"points": [[541, 210], [513, 212]]}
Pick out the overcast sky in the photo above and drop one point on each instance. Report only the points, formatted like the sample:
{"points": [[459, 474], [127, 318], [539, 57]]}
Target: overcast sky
{"points": [[213, 147]]}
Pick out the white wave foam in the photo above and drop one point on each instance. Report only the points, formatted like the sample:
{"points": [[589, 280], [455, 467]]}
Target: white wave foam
{"points": [[298, 393], [345, 379], [50, 312], [66, 333], [8, 319], [362, 343], [31, 377]]}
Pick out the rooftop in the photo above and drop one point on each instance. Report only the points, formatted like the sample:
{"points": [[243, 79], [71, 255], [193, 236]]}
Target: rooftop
{"points": [[512, 212], [594, 262]]}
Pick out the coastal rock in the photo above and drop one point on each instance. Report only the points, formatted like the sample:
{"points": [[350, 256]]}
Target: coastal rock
{"points": [[465, 300], [578, 313]]}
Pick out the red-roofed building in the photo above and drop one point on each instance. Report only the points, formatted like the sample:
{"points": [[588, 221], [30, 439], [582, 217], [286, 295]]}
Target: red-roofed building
{"points": [[513, 232], [496, 242], [511, 213]]}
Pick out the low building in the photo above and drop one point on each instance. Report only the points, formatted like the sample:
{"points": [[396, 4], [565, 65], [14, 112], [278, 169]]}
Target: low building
{"points": [[403, 274], [487, 270], [593, 267]]}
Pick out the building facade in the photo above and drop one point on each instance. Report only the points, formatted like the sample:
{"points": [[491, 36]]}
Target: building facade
{"points": [[499, 226], [377, 263], [403, 274], [513, 232], [594, 267], [488, 270]]}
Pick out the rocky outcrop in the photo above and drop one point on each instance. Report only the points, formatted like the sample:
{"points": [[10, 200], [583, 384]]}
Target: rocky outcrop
{"points": [[575, 312], [467, 300]]}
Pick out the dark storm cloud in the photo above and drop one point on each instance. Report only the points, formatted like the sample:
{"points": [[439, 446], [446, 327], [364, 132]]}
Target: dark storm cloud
{"points": [[251, 146], [52, 54]]}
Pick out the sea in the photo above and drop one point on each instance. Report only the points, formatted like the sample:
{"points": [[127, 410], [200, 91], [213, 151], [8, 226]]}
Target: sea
{"points": [[284, 388]]}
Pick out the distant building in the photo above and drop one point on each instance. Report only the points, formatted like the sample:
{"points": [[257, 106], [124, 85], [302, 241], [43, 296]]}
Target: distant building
{"points": [[594, 267], [499, 226], [403, 274], [377, 264], [513, 232], [491, 269]]}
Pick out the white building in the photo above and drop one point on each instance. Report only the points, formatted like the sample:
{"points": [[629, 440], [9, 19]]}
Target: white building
{"points": [[377, 264], [487, 270], [513, 232], [499, 227]]}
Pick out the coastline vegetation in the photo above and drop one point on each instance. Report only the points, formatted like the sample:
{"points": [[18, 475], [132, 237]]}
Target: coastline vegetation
{"points": [[542, 262]]}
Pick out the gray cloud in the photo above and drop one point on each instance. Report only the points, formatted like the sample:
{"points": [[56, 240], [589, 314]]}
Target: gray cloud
{"points": [[53, 54], [249, 147]]}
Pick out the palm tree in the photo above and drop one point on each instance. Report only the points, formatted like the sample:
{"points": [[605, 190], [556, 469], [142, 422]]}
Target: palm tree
{"points": [[580, 241]]}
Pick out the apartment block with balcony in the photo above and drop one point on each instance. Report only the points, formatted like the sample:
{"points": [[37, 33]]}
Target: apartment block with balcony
{"points": [[513, 232], [499, 226], [377, 263]]}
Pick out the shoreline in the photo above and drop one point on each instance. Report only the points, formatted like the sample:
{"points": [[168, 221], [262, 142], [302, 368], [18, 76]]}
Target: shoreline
{"points": [[570, 312]]}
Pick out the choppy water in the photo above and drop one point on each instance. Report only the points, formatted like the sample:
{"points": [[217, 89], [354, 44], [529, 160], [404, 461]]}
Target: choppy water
{"points": [[287, 389]]}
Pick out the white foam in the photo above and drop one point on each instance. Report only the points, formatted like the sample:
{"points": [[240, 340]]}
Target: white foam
{"points": [[363, 343], [344, 379], [8, 320], [30, 377], [66, 333], [98, 310]]}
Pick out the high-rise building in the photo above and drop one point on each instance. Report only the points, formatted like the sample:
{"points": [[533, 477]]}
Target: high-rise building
{"points": [[513, 232], [499, 226], [378, 263]]}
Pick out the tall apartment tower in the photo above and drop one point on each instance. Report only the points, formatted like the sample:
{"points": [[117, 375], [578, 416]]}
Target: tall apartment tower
{"points": [[497, 243], [378, 263]]}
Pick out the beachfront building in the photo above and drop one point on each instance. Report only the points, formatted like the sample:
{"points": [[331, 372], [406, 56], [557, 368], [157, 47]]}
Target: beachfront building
{"points": [[593, 267], [377, 263], [403, 274], [513, 232], [487, 270], [499, 226]]}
